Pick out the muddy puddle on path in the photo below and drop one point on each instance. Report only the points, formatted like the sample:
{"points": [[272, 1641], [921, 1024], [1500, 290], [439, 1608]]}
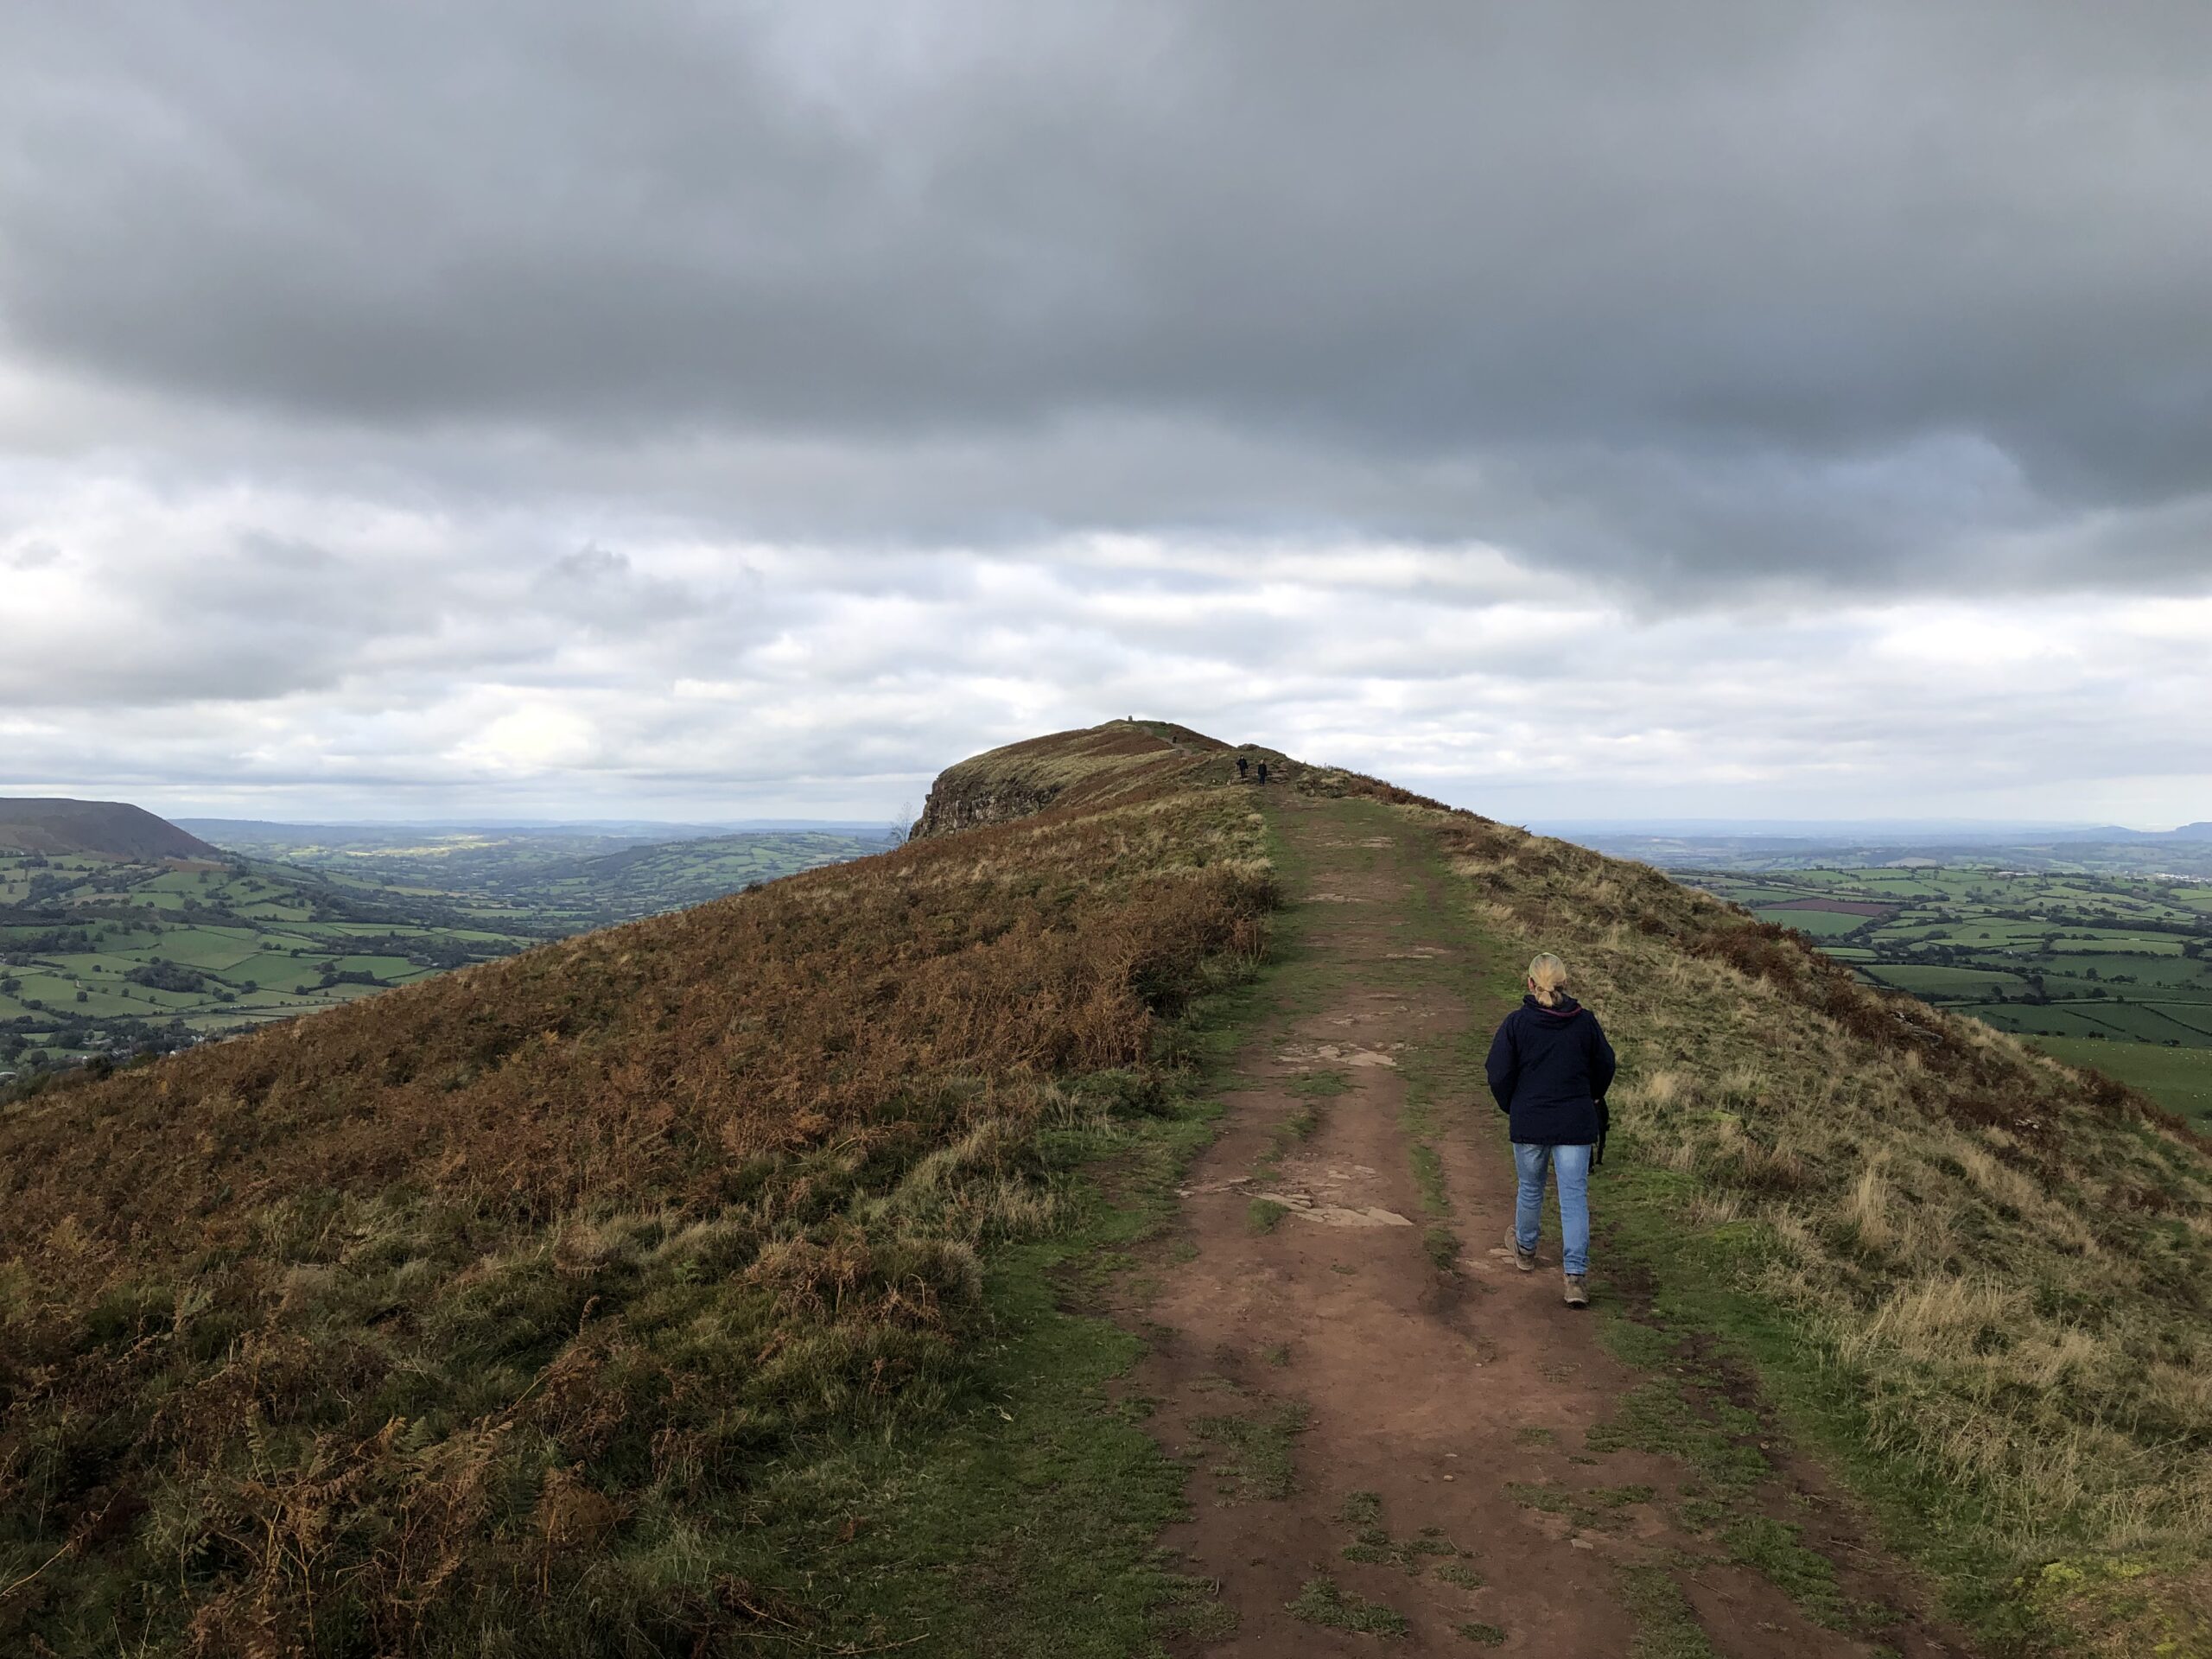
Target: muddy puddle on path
{"points": [[1387, 1454]]}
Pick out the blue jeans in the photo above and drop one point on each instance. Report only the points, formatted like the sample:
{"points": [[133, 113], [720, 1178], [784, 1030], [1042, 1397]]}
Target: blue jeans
{"points": [[1571, 1166]]}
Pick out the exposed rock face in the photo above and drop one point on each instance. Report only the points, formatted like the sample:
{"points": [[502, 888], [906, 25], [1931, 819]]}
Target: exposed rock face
{"points": [[962, 800], [1118, 758], [1127, 760]]}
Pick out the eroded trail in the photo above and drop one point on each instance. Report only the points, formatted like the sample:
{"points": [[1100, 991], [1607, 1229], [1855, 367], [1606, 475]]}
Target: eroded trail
{"points": [[1397, 1441]]}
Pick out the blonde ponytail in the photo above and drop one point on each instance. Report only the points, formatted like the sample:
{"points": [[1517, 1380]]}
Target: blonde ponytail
{"points": [[1547, 973]]}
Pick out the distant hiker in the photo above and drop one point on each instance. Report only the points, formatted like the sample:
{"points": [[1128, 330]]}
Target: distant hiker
{"points": [[1243, 766], [1549, 1067], [1263, 773]]}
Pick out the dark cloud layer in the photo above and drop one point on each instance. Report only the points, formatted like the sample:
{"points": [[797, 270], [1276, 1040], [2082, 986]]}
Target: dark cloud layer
{"points": [[1690, 292], [727, 410]]}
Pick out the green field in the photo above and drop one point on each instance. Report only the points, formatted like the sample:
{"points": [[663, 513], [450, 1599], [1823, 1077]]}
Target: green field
{"points": [[2180, 1078], [1939, 984], [2110, 969], [1820, 924], [99, 958]]}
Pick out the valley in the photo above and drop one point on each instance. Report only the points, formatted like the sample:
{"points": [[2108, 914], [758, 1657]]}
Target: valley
{"points": [[546, 878], [103, 956]]}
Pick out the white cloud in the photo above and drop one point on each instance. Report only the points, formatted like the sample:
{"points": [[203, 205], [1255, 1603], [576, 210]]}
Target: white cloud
{"points": [[197, 647], [541, 736]]}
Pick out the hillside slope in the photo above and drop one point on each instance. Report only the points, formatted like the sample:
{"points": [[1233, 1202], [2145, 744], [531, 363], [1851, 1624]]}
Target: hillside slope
{"points": [[101, 828], [1980, 1278], [664, 1290], [506, 1302]]}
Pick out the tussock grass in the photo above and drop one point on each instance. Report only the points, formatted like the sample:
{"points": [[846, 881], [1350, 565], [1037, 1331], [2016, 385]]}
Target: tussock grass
{"points": [[508, 1313], [1996, 1269]]}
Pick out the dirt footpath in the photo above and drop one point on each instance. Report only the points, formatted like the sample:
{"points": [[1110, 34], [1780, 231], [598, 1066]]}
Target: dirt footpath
{"points": [[1398, 1442]]}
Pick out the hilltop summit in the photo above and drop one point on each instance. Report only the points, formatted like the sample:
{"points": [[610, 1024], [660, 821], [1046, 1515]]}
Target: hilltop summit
{"points": [[94, 829], [1122, 759]]}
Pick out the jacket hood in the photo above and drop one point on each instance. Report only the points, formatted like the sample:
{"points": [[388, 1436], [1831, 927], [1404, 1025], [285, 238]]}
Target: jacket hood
{"points": [[1566, 1008]]}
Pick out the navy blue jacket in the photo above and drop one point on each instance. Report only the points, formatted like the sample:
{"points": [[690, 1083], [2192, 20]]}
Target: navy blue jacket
{"points": [[1548, 1068]]}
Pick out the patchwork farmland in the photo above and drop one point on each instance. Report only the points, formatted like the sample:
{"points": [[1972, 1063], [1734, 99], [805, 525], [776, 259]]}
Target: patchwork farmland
{"points": [[2109, 972], [98, 956]]}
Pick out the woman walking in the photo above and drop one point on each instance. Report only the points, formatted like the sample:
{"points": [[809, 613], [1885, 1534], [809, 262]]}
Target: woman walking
{"points": [[1549, 1068]]}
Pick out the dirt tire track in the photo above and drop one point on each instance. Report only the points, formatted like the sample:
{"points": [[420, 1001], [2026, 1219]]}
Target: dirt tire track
{"points": [[1443, 1409]]}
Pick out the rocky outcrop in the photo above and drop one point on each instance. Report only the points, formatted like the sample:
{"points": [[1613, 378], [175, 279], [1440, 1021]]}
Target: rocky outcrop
{"points": [[1122, 758], [960, 801]]}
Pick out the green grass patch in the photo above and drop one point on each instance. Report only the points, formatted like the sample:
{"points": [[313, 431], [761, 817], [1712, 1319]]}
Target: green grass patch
{"points": [[1323, 1602], [1253, 1454], [1776, 1551], [1615, 1497], [1373, 1545], [1441, 1245], [1428, 1173], [1665, 1626], [1548, 1500]]}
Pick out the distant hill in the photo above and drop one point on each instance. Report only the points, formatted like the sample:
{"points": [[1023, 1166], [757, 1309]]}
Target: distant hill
{"points": [[2186, 851], [97, 828]]}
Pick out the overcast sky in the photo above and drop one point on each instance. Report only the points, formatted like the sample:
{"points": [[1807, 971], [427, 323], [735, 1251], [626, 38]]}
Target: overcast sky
{"points": [[545, 409]]}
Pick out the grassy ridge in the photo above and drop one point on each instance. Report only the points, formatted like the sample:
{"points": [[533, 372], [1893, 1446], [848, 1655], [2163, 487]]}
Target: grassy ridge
{"points": [[576, 1303], [694, 1286], [1976, 1278]]}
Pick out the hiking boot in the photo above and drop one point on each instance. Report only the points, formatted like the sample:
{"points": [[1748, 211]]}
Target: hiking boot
{"points": [[1576, 1295], [1524, 1260]]}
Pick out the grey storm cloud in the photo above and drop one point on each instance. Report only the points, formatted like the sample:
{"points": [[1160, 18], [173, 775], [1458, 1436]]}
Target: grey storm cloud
{"points": [[746, 408], [1690, 293]]}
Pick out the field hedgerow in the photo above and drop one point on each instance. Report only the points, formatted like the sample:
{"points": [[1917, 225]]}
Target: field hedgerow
{"points": [[471, 1316]]}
